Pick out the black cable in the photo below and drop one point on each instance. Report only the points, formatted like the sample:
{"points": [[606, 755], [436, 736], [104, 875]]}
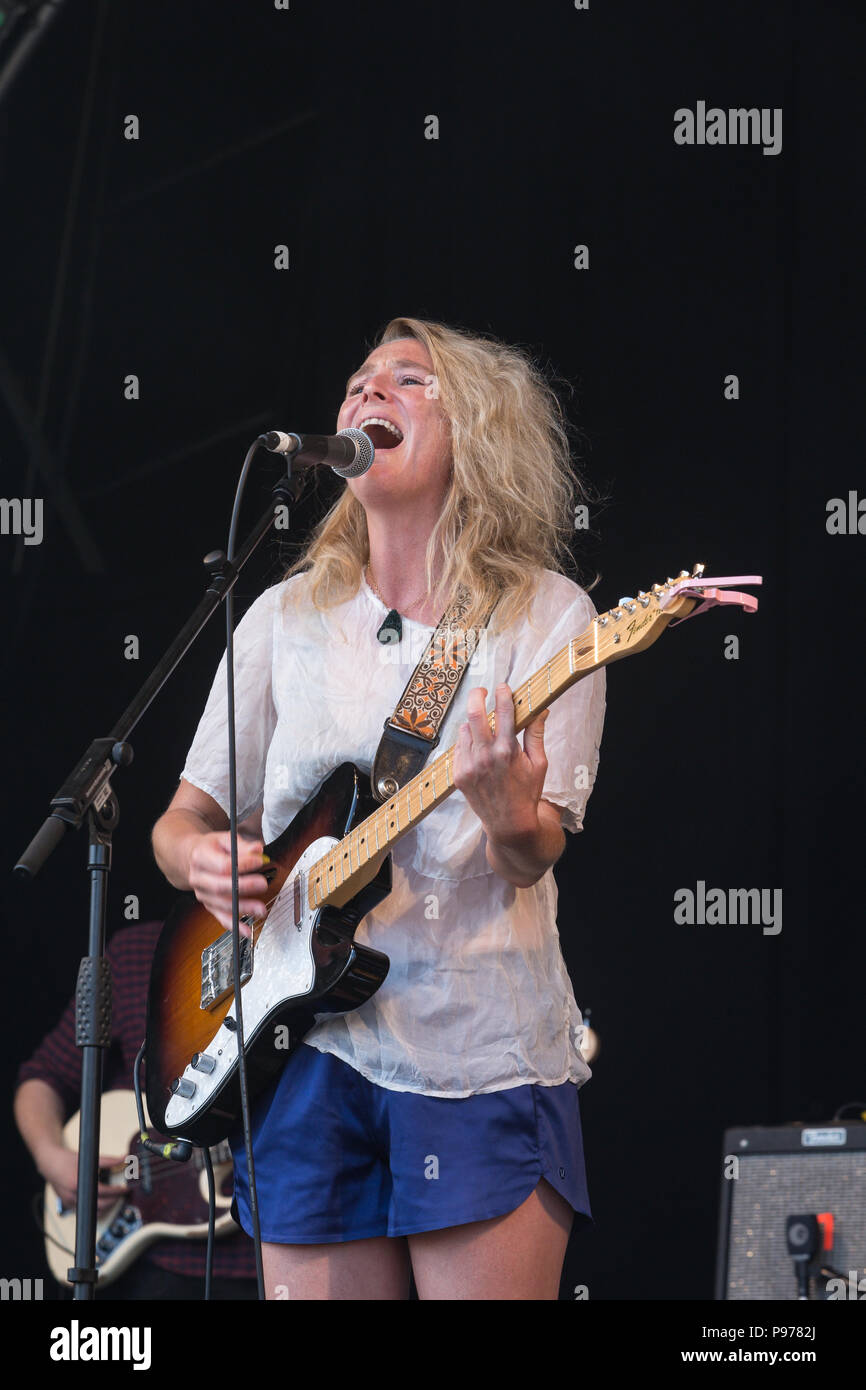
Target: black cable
{"points": [[233, 830], [178, 1149], [211, 1223], [857, 1105]]}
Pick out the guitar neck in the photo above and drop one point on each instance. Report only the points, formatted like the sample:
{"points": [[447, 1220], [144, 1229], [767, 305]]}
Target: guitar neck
{"points": [[630, 627]]}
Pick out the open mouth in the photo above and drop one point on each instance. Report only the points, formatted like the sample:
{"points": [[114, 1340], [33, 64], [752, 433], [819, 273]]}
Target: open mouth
{"points": [[381, 433]]}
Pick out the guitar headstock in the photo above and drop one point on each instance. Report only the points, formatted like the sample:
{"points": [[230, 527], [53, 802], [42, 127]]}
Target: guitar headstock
{"points": [[635, 623]]}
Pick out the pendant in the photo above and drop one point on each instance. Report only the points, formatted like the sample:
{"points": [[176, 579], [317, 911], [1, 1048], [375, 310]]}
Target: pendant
{"points": [[391, 629]]}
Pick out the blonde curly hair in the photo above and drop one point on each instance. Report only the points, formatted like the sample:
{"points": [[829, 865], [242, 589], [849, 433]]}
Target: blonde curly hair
{"points": [[509, 511]]}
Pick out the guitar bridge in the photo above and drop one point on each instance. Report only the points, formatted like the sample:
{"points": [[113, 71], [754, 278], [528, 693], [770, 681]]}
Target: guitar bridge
{"points": [[217, 970]]}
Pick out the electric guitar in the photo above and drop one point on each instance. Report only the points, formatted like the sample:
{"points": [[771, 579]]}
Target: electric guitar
{"points": [[329, 867], [156, 1198]]}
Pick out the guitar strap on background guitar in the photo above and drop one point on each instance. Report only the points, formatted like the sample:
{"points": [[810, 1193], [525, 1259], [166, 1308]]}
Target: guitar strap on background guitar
{"points": [[413, 730]]}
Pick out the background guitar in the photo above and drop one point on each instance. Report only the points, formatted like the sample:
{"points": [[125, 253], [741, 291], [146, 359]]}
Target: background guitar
{"points": [[167, 1200]]}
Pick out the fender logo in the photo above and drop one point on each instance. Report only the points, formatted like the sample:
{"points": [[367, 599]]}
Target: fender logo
{"points": [[635, 626]]}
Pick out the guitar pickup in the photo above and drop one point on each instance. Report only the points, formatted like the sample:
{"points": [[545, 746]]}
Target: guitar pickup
{"points": [[217, 973]]}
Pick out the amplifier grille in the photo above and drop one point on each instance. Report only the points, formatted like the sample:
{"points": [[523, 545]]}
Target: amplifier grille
{"points": [[771, 1187]]}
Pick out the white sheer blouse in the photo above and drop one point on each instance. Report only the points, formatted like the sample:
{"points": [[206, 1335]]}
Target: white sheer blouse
{"points": [[477, 997]]}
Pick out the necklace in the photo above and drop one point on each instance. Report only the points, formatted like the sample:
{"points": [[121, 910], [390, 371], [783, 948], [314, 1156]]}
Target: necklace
{"points": [[392, 628]]}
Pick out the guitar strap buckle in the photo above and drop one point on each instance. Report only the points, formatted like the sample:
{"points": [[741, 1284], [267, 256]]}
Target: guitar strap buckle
{"points": [[399, 756]]}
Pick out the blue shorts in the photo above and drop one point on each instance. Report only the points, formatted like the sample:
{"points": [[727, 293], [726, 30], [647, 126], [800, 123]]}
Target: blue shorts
{"points": [[340, 1158]]}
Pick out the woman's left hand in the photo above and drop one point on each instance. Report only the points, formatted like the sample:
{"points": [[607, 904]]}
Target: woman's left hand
{"points": [[503, 782]]}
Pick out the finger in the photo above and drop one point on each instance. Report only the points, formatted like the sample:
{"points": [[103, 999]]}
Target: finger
{"points": [[222, 910], [217, 867], [220, 885], [225, 919], [504, 714], [251, 853], [533, 739], [477, 716], [250, 912], [462, 754]]}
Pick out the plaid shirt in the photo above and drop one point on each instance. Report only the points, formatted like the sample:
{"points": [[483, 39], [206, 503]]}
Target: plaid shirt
{"points": [[57, 1061]]}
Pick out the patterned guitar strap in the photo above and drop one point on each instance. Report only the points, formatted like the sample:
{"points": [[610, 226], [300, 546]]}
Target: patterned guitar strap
{"points": [[413, 730]]}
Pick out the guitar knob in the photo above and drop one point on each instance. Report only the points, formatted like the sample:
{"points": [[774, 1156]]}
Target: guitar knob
{"points": [[183, 1087], [202, 1062]]}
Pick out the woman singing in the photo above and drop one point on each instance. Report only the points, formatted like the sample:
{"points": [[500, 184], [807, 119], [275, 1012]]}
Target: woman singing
{"points": [[438, 1124]]}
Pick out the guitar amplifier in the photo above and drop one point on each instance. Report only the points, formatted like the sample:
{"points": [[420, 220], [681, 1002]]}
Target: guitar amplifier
{"points": [[771, 1174]]}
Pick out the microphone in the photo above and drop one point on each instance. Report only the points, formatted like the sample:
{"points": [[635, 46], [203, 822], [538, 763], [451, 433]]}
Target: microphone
{"points": [[349, 453]]}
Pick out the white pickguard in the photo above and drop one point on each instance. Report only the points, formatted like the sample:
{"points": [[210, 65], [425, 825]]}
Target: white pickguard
{"points": [[283, 969]]}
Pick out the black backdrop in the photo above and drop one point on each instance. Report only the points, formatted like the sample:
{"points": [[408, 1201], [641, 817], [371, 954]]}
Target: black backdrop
{"points": [[155, 257]]}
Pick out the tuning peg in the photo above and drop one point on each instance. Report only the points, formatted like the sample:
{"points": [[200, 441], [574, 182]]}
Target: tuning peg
{"points": [[658, 589], [697, 571], [628, 604], [683, 574], [643, 598]]}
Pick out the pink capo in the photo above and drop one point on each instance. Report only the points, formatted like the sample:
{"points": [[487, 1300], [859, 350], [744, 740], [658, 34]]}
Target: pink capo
{"points": [[712, 593]]}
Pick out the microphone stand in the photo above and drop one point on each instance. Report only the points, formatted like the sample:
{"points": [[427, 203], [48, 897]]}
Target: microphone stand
{"points": [[87, 792]]}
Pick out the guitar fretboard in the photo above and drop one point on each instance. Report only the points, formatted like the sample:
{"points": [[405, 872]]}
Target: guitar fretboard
{"points": [[629, 627]]}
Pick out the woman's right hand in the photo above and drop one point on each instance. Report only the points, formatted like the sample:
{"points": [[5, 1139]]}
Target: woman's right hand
{"points": [[209, 872]]}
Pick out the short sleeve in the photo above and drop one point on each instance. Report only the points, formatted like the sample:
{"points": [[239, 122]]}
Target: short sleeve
{"points": [[207, 762], [572, 730]]}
